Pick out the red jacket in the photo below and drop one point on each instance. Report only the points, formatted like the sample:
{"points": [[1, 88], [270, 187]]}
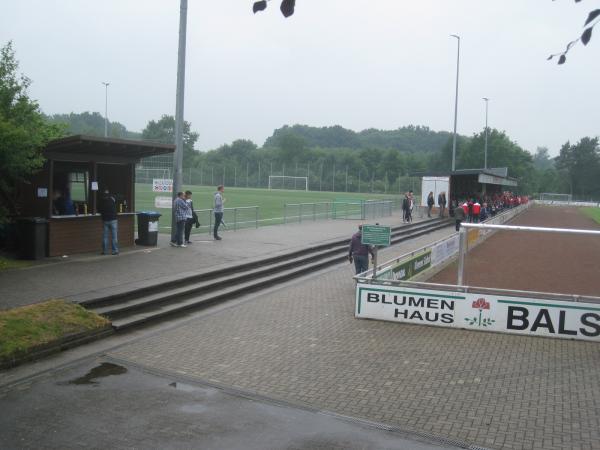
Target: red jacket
{"points": [[476, 208]]}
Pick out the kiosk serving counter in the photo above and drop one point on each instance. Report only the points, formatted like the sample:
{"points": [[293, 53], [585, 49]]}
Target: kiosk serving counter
{"points": [[67, 190]]}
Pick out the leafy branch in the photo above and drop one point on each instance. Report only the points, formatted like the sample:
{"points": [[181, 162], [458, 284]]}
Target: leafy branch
{"points": [[287, 7], [585, 36]]}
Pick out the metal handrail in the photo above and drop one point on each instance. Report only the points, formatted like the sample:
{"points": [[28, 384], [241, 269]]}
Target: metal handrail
{"points": [[521, 228]]}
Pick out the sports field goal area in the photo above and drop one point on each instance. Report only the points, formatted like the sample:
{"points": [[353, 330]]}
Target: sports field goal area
{"points": [[288, 182]]}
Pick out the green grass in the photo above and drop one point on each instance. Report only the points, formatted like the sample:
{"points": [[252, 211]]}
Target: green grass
{"points": [[27, 327], [270, 201], [594, 213], [8, 263]]}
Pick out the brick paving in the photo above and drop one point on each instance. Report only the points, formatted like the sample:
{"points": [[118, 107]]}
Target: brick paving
{"points": [[302, 344]]}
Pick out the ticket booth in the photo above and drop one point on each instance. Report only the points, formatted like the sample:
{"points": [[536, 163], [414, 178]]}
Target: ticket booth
{"points": [[67, 189]]}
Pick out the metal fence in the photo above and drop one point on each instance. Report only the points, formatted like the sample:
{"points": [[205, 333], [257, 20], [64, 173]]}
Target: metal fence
{"points": [[370, 209], [233, 218]]}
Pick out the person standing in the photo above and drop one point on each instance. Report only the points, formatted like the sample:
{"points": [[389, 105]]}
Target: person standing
{"points": [[405, 207], [191, 217], [459, 215], [218, 210], [476, 211], [430, 203], [359, 252], [107, 207], [442, 202], [181, 212]]}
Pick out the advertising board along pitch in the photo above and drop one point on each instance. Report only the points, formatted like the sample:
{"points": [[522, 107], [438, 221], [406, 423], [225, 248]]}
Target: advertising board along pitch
{"points": [[476, 311]]}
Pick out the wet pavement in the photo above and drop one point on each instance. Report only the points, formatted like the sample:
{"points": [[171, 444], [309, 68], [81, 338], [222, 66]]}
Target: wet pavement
{"points": [[99, 403]]}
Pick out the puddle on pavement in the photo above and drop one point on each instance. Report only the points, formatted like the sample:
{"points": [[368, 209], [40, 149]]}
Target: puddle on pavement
{"points": [[193, 409], [103, 370]]}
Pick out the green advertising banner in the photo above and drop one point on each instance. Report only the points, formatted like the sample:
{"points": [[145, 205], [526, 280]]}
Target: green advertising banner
{"points": [[407, 269]]}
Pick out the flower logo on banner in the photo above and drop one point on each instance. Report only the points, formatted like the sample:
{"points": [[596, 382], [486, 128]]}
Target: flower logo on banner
{"points": [[478, 320]]}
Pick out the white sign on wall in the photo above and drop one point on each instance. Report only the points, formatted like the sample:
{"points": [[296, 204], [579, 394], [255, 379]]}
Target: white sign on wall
{"points": [[162, 185], [505, 314], [163, 202]]}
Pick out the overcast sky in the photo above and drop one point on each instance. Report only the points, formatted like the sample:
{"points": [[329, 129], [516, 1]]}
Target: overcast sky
{"points": [[359, 64]]}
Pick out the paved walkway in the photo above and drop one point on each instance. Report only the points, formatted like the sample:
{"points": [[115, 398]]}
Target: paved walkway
{"points": [[301, 344], [67, 277], [104, 405]]}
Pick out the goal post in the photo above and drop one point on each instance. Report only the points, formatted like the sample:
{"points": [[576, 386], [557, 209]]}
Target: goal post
{"points": [[288, 182], [553, 197]]}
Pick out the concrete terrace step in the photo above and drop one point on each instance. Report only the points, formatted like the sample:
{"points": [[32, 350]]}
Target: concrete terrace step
{"points": [[117, 294], [186, 303], [157, 301]]}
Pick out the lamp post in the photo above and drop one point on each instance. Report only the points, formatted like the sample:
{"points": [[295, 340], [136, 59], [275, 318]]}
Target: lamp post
{"points": [[455, 103], [105, 108], [486, 132], [178, 156]]}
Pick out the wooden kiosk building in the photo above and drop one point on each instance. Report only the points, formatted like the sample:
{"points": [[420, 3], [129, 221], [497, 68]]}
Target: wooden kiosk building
{"points": [[67, 189]]}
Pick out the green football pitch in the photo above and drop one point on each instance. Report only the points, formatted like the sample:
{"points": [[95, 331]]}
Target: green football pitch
{"points": [[270, 202]]}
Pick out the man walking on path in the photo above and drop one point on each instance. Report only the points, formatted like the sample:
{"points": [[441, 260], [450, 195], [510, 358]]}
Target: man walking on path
{"points": [[107, 207], [218, 210], [359, 252], [442, 203], [181, 212], [191, 217]]}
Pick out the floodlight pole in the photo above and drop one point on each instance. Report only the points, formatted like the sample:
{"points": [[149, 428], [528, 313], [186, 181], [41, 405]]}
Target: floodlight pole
{"points": [[178, 156], [105, 108], [455, 103], [486, 133]]}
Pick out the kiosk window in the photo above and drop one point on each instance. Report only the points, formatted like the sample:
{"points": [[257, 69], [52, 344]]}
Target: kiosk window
{"points": [[78, 186]]}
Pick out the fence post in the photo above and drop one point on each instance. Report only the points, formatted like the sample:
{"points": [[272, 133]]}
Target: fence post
{"points": [[210, 217], [300, 214], [256, 210], [234, 219], [462, 250], [284, 213], [314, 212]]}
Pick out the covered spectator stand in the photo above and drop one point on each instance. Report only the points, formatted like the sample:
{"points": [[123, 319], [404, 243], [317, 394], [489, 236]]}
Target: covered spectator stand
{"points": [[478, 183], [67, 190], [471, 183]]}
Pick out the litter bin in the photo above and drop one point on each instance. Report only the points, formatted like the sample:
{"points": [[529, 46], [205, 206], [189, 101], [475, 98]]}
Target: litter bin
{"points": [[32, 234], [147, 228]]}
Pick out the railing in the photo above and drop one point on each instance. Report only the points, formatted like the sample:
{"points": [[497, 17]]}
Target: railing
{"points": [[233, 218], [440, 251], [370, 209], [463, 240]]}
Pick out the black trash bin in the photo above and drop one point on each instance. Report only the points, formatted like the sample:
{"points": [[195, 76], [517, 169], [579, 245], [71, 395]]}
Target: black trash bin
{"points": [[32, 235], [147, 228]]}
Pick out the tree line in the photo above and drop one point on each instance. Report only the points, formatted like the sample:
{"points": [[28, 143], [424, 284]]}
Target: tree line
{"points": [[334, 158]]}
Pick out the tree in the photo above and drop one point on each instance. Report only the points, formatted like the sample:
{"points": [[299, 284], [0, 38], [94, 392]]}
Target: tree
{"points": [[542, 160], [581, 162], [163, 131], [92, 124], [24, 132], [592, 20]]}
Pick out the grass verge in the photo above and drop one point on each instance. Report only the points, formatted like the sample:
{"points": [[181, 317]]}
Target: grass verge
{"points": [[594, 213], [25, 328], [7, 263]]}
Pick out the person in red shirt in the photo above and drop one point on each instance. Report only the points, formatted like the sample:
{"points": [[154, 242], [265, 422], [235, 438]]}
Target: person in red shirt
{"points": [[476, 211]]}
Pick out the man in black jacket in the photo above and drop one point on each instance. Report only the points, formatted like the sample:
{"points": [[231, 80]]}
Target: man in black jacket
{"points": [[107, 207]]}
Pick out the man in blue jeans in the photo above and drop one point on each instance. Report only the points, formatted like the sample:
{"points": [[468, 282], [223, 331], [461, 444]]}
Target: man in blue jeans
{"points": [[359, 252], [107, 207], [181, 208]]}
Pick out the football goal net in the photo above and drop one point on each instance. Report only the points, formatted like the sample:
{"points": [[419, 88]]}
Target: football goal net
{"points": [[552, 197], [288, 182]]}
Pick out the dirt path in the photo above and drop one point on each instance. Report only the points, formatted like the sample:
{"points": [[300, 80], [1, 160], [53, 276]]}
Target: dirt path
{"points": [[544, 262]]}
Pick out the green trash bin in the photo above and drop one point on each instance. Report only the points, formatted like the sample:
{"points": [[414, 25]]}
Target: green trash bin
{"points": [[147, 228], [32, 235]]}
